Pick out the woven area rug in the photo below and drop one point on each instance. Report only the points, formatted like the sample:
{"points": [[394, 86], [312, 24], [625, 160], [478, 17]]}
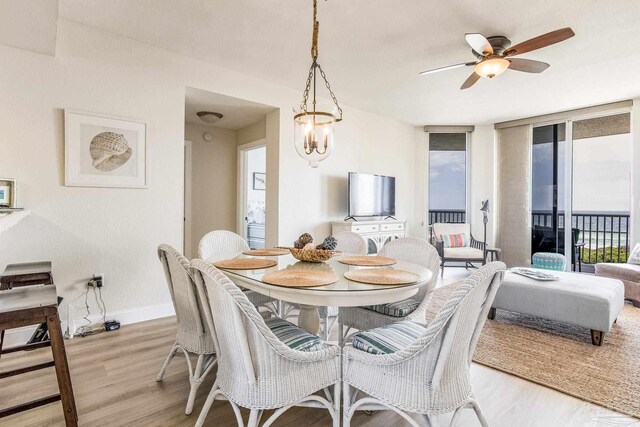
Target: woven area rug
{"points": [[561, 357]]}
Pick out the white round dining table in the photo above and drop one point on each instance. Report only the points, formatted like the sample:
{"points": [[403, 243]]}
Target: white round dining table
{"points": [[342, 293]]}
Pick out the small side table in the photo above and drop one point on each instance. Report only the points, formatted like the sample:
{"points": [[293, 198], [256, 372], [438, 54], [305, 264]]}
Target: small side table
{"points": [[493, 254], [32, 305]]}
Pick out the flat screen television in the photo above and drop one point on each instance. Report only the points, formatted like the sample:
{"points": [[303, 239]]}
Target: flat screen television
{"points": [[371, 195]]}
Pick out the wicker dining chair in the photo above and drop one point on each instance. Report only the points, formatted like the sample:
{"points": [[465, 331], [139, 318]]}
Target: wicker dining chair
{"points": [[351, 243], [222, 244], [261, 365], [422, 368], [193, 336], [409, 249], [348, 243]]}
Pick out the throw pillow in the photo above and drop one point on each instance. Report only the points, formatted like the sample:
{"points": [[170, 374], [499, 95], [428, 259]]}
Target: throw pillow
{"points": [[455, 240], [634, 257]]}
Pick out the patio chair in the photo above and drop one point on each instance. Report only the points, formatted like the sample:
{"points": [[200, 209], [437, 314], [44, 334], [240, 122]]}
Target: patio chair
{"points": [[263, 365], [422, 368], [193, 336], [462, 248], [417, 251]]}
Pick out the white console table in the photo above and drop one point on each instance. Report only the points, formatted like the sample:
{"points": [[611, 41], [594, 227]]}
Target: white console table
{"points": [[377, 233]]}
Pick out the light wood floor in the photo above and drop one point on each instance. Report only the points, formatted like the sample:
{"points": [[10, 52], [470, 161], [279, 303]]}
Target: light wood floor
{"points": [[114, 373]]}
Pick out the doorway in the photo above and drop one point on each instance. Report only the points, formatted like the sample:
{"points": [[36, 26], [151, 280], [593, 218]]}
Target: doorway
{"points": [[252, 183]]}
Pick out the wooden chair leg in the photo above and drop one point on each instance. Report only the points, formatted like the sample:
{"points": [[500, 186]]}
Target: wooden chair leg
{"points": [[597, 337], [62, 370], [492, 313]]}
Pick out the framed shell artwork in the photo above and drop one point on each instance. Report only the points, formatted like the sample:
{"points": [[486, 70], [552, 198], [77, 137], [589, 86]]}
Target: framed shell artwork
{"points": [[103, 151]]}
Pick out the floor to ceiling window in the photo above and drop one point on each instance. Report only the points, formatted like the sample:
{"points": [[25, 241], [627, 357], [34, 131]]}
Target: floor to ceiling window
{"points": [[601, 203], [447, 177], [598, 193]]}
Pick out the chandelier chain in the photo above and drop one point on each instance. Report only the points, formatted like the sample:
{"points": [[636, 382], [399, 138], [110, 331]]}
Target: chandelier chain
{"points": [[314, 65], [333, 96]]}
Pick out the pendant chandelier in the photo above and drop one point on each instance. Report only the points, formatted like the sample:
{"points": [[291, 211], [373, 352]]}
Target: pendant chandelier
{"points": [[313, 127]]}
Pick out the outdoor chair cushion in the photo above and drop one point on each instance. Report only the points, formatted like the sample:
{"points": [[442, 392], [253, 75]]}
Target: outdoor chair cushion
{"points": [[293, 336], [388, 339], [396, 309], [463, 253]]}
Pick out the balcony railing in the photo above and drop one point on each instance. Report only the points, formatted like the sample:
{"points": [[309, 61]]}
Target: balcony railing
{"points": [[601, 236], [447, 216], [604, 236]]}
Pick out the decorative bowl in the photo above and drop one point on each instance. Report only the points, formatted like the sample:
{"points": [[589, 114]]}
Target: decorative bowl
{"points": [[312, 255]]}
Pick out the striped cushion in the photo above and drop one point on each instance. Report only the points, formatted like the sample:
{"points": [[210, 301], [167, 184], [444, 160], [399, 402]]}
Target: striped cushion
{"points": [[293, 336], [396, 309], [549, 261], [455, 240], [388, 339]]}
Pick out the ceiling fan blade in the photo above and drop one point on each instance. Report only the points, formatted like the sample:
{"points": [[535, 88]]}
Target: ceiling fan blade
{"points": [[539, 42], [527, 65], [448, 67], [473, 78], [479, 43]]}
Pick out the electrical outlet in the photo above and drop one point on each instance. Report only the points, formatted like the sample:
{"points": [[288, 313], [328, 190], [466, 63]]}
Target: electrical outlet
{"points": [[99, 280]]}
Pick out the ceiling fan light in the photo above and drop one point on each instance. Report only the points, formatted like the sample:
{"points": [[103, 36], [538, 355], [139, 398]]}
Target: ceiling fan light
{"points": [[491, 67]]}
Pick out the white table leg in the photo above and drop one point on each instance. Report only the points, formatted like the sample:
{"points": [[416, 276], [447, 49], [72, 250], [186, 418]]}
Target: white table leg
{"points": [[309, 319]]}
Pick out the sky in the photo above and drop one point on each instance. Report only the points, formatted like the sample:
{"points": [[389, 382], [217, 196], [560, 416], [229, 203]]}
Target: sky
{"points": [[601, 176]]}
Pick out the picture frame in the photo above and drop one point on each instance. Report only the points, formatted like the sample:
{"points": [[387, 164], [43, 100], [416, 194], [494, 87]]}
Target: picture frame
{"points": [[7, 193], [104, 151], [259, 181]]}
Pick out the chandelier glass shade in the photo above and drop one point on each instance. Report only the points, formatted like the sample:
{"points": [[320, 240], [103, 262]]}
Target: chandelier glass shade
{"points": [[313, 124]]}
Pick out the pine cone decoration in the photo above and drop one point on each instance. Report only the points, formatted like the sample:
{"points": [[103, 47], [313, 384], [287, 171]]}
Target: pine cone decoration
{"points": [[302, 241], [330, 243]]}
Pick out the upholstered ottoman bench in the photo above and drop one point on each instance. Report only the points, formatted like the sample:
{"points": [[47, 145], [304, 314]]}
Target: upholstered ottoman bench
{"points": [[579, 299]]}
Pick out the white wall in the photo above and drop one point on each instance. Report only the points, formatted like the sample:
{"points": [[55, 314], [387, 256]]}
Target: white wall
{"points": [[310, 198], [213, 181], [252, 132], [116, 231]]}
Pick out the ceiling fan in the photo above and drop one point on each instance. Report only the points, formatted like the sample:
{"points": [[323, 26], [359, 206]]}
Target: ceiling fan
{"points": [[495, 54]]}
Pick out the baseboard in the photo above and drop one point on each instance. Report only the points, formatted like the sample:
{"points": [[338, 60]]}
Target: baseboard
{"points": [[125, 317]]}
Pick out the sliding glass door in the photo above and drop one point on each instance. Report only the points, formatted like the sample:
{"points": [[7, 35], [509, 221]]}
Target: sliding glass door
{"points": [[582, 170], [548, 186], [601, 204]]}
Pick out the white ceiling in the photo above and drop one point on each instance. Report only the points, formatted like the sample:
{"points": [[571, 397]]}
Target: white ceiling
{"points": [[372, 50], [237, 113], [24, 27]]}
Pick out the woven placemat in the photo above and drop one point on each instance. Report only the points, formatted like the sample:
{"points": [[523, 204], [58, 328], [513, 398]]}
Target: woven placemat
{"points": [[267, 252], [380, 276], [292, 278], [367, 261], [245, 263]]}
